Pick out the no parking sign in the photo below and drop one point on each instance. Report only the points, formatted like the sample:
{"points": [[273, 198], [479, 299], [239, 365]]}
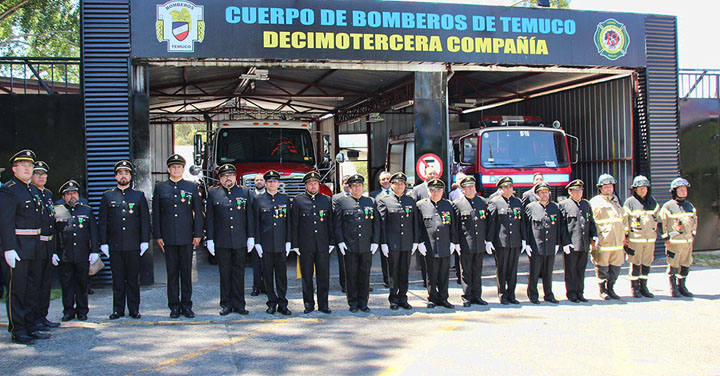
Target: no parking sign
{"points": [[428, 160]]}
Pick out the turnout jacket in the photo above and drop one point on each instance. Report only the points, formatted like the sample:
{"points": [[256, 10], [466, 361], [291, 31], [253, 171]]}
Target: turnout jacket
{"points": [[544, 227], [641, 219], [77, 232], [679, 221], [398, 227], [272, 221], [357, 223], [20, 209], [506, 228], [124, 219], [472, 223], [608, 216], [438, 226], [580, 223], [311, 221], [229, 216], [177, 212]]}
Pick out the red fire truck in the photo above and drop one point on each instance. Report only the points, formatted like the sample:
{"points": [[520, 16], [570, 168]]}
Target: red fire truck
{"points": [[517, 146], [256, 146]]}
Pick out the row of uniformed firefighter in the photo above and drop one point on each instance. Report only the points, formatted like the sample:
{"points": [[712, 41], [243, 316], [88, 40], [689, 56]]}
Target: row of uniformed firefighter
{"points": [[35, 233]]}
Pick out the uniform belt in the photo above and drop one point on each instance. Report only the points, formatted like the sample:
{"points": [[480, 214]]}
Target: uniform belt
{"points": [[27, 231], [680, 241], [45, 238], [642, 240]]}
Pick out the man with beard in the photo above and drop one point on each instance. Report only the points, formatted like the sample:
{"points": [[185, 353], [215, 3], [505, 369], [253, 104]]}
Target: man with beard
{"points": [[178, 229], [124, 231], [679, 223], [47, 248], [76, 249], [272, 242], [230, 236], [311, 220], [641, 223]]}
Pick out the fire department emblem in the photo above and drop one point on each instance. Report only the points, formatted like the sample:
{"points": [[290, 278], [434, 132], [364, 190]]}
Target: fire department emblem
{"points": [[180, 24], [611, 39]]}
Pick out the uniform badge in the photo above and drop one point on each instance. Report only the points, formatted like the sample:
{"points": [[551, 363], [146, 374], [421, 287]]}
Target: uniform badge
{"points": [[240, 202], [80, 222], [321, 214], [517, 213], [408, 209], [481, 213], [131, 206], [369, 213], [182, 196], [446, 218], [553, 217]]}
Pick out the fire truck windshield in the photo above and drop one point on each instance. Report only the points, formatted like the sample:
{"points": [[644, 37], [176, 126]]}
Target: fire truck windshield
{"points": [[249, 145], [537, 148]]}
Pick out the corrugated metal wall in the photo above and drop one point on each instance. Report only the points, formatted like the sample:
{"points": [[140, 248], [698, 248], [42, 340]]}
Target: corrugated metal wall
{"points": [[399, 123], [662, 98], [161, 146]]}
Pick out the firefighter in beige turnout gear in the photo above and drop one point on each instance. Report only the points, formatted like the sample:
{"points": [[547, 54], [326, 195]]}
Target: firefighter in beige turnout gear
{"points": [[607, 253], [679, 223], [641, 212]]}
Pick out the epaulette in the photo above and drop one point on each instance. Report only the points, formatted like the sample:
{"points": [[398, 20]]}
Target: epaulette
{"points": [[213, 187], [109, 190], [84, 204], [10, 184]]}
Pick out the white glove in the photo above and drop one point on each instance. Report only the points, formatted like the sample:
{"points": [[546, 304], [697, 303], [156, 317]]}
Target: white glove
{"points": [[105, 249], [93, 257], [250, 244], [373, 248], [526, 248], [287, 248], [296, 250], [258, 248], [55, 260], [422, 249], [567, 249], [457, 249], [414, 248], [489, 248], [385, 249], [557, 248], [331, 248], [144, 247], [342, 247], [596, 240], [10, 257], [210, 244]]}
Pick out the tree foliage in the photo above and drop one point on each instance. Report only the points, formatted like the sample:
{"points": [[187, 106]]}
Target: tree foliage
{"points": [[34, 28], [560, 4]]}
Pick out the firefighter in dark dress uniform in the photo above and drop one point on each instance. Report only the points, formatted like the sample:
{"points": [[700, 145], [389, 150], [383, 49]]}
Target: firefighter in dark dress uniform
{"points": [[340, 257], [546, 234], [385, 189], [20, 226], [471, 212], [77, 248], [230, 236], [399, 237], [124, 229], [312, 235], [507, 236], [437, 222], [578, 218], [357, 231], [177, 228], [258, 284], [271, 211], [48, 240]]}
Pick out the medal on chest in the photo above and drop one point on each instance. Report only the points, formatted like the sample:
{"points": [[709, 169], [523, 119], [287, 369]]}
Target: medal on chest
{"points": [[240, 202], [321, 214], [131, 205], [446, 218], [369, 213], [408, 209], [182, 196], [280, 211], [80, 222], [516, 213], [481, 213], [553, 219]]}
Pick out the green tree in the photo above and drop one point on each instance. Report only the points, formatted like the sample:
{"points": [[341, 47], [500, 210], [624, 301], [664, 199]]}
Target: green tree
{"points": [[34, 28], [560, 4]]}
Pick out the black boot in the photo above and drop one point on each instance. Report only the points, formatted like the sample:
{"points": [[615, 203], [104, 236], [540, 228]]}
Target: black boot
{"points": [[673, 283], [684, 270], [604, 291], [643, 282], [614, 271], [602, 275], [635, 285]]}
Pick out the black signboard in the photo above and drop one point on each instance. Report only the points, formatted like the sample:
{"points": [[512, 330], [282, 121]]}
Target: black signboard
{"points": [[385, 31]]}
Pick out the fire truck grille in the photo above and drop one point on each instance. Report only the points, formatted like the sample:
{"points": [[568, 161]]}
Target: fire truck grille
{"points": [[291, 186]]}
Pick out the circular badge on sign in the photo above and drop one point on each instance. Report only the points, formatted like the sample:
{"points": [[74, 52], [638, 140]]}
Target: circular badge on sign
{"points": [[428, 160], [611, 39]]}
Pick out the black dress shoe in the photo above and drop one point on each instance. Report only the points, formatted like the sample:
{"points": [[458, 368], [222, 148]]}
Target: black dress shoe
{"points": [[552, 300], [70, 317], [23, 339], [175, 313], [478, 301], [308, 310], [534, 301], [271, 310], [353, 309], [241, 311], [188, 313], [225, 311], [136, 315], [42, 327], [50, 324], [447, 304], [406, 305], [386, 285], [574, 299], [255, 292], [582, 298], [504, 301], [116, 315], [371, 289], [431, 305], [513, 301], [343, 290], [284, 311], [82, 317], [365, 309], [394, 307], [466, 304], [39, 335], [325, 310]]}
